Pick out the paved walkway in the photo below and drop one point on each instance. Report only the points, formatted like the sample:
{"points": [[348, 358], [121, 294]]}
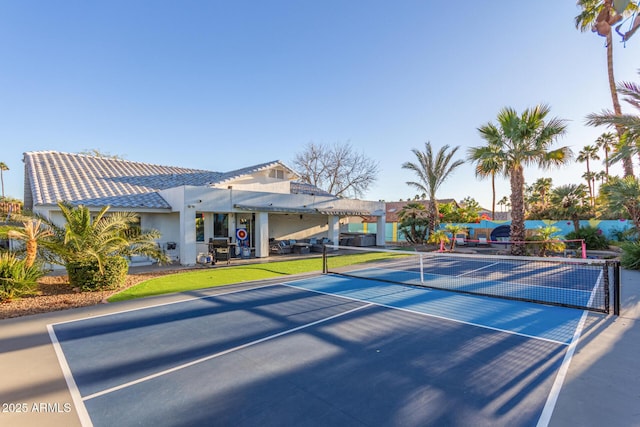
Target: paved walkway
{"points": [[602, 386]]}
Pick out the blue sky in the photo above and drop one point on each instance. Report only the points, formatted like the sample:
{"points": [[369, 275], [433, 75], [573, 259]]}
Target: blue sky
{"points": [[221, 85]]}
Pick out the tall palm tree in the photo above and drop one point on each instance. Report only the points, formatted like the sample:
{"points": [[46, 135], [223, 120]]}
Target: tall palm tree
{"points": [[542, 186], [432, 171], [487, 163], [606, 142], [505, 203], [590, 17], [629, 123], [524, 140], [3, 167], [589, 152], [590, 177], [602, 176]]}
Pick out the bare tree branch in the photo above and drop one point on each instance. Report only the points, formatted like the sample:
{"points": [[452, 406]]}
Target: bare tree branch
{"points": [[337, 169]]}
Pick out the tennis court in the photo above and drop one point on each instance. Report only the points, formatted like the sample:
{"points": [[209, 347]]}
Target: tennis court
{"points": [[326, 350]]}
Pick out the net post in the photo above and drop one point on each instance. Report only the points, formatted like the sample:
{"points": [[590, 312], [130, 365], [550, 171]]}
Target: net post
{"points": [[325, 270], [584, 248], [421, 269], [616, 288]]}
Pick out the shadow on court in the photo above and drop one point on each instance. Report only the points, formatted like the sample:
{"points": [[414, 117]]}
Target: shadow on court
{"points": [[283, 356]]}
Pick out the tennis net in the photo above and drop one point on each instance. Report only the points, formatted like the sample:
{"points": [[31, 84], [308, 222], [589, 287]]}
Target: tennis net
{"points": [[568, 282]]}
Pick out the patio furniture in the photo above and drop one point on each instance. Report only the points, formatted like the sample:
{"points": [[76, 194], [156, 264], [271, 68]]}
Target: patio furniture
{"points": [[301, 248], [280, 248]]}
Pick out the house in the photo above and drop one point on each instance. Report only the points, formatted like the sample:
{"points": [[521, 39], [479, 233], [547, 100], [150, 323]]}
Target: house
{"points": [[247, 206], [392, 211]]}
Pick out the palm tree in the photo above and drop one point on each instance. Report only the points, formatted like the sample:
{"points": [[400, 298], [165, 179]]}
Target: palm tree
{"points": [[570, 202], [439, 237], [487, 165], [98, 241], [454, 229], [524, 140], [505, 203], [623, 194], [606, 142], [3, 167], [548, 238], [588, 152], [629, 123], [590, 177], [432, 172], [602, 176], [591, 18], [414, 217], [542, 186], [31, 233]]}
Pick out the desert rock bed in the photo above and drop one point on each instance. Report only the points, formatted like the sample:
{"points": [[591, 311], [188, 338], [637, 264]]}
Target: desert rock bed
{"points": [[55, 294]]}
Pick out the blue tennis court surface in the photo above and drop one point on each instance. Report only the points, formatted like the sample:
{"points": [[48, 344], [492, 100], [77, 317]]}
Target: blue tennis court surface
{"points": [[321, 351]]}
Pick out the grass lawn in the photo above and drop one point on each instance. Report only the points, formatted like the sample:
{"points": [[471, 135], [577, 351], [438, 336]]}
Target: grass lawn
{"points": [[191, 280]]}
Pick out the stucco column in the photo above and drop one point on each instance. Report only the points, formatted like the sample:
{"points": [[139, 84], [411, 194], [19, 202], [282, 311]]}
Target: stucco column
{"points": [[187, 245], [334, 229], [382, 230], [262, 234]]}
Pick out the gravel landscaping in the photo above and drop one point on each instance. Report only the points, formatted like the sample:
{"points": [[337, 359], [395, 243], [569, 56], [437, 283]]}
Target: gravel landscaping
{"points": [[55, 294]]}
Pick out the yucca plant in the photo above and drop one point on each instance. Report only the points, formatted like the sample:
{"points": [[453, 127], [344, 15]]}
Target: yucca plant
{"points": [[17, 279]]}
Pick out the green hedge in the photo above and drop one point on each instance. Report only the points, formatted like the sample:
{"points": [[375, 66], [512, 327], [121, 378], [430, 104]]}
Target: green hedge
{"points": [[630, 257], [592, 236], [87, 275]]}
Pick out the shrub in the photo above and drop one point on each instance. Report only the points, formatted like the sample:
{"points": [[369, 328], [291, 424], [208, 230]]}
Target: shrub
{"points": [[625, 235], [87, 276], [16, 278], [592, 236], [548, 237], [630, 257]]}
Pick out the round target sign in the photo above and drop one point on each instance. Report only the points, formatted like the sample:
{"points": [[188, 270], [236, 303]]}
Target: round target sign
{"points": [[241, 234]]}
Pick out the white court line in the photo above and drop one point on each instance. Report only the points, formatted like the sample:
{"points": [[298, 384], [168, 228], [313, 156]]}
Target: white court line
{"points": [[164, 304], [436, 316], [478, 269], [222, 353], [85, 420], [552, 399]]}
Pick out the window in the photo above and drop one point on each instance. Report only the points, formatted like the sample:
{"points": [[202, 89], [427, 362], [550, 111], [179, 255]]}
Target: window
{"points": [[199, 227], [276, 173], [220, 225]]}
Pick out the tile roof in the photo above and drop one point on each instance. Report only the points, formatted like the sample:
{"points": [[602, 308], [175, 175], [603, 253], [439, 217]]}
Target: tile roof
{"points": [[52, 176], [228, 176], [298, 187]]}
